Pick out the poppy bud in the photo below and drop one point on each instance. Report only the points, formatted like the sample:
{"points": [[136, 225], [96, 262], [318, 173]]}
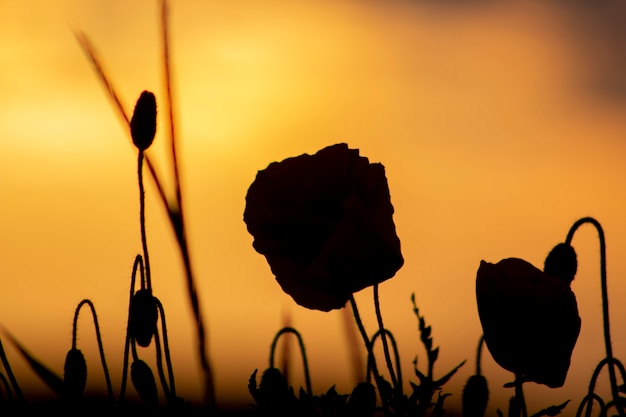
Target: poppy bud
{"points": [[143, 380], [561, 262], [475, 396], [143, 317], [143, 122], [362, 401], [75, 374]]}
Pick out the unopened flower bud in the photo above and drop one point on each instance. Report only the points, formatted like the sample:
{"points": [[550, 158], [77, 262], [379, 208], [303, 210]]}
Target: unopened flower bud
{"points": [[143, 317], [143, 122], [143, 380], [475, 396], [75, 374], [561, 262]]}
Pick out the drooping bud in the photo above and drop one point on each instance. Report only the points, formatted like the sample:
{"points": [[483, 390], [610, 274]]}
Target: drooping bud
{"points": [[143, 380], [75, 374], [143, 122], [143, 317], [475, 396], [561, 262]]}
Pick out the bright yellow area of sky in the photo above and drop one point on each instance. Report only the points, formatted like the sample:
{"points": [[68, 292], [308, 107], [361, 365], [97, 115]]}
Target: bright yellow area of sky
{"points": [[490, 120]]}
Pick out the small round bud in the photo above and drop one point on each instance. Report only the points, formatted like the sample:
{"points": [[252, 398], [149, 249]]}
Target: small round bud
{"points": [[143, 317], [475, 396], [143, 380], [561, 262], [143, 122], [75, 375]]}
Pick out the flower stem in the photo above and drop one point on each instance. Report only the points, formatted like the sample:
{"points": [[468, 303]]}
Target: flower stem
{"points": [[519, 395], [383, 336], [142, 218], [605, 306], [370, 351], [166, 348], [105, 369], [137, 266], [305, 362], [395, 352]]}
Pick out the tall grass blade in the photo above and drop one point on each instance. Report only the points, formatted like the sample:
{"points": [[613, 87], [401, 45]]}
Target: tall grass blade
{"points": [[52, 380]]}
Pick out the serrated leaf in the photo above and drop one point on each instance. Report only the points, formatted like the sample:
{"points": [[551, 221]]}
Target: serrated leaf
{"points": [[433, 354], [552, 411], [252, 387], [48, 377], [444, 379], [426, 331]]}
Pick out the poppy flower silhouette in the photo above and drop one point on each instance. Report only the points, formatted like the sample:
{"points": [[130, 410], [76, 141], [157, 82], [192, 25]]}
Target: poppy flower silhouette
{"points": [[530, 317], [324, 222]]}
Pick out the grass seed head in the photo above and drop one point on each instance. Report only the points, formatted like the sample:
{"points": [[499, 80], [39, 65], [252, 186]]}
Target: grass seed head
{"points": [[143, 317], [75, 375], [143, 380], [143, 122]]}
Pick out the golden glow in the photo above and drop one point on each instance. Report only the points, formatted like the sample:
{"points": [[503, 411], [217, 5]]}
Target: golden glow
{"points": [[483, 115]]}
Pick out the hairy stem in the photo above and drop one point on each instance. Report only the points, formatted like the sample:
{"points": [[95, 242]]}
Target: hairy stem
{"points": [[305, 362], [605, 306], [103, 361], [383, 337]]}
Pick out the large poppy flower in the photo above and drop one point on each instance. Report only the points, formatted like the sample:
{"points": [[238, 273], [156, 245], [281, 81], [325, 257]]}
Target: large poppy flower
{"points": [[529, 317], [325, 225]]}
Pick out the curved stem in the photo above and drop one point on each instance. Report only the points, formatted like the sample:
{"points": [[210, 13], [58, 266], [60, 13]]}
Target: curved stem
{"points": [[605, 303], [370, 352], [137, 266], [383, 337], [166, 348], [305, 363], [103, 361], [395, 352], [588, 403]]}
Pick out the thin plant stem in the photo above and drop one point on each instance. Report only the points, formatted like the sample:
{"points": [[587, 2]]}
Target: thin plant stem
{"points": [[159, 363], [588, 403], [177, 220], [519, 395], [370, 352], [10, 375], [383, 337], [6, 385], [594, 378], [605, 305], [90, 52], [166, 348], [305, 362], [395, 352], [142, 219], [103, 361], [137, 266]]}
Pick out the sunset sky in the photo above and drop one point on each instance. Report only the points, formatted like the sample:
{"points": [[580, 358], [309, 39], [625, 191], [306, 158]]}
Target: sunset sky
{"points": [[499, 127]]}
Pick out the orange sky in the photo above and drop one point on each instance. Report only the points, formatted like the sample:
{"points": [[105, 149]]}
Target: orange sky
{"points": [[489, 119]]}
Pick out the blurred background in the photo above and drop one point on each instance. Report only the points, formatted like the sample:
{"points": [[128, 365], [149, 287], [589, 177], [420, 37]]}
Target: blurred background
{"points": [[499, 125]]}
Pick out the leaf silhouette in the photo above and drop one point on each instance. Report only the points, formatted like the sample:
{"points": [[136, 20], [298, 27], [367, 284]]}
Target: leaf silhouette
{"points": [[48, 377]]}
